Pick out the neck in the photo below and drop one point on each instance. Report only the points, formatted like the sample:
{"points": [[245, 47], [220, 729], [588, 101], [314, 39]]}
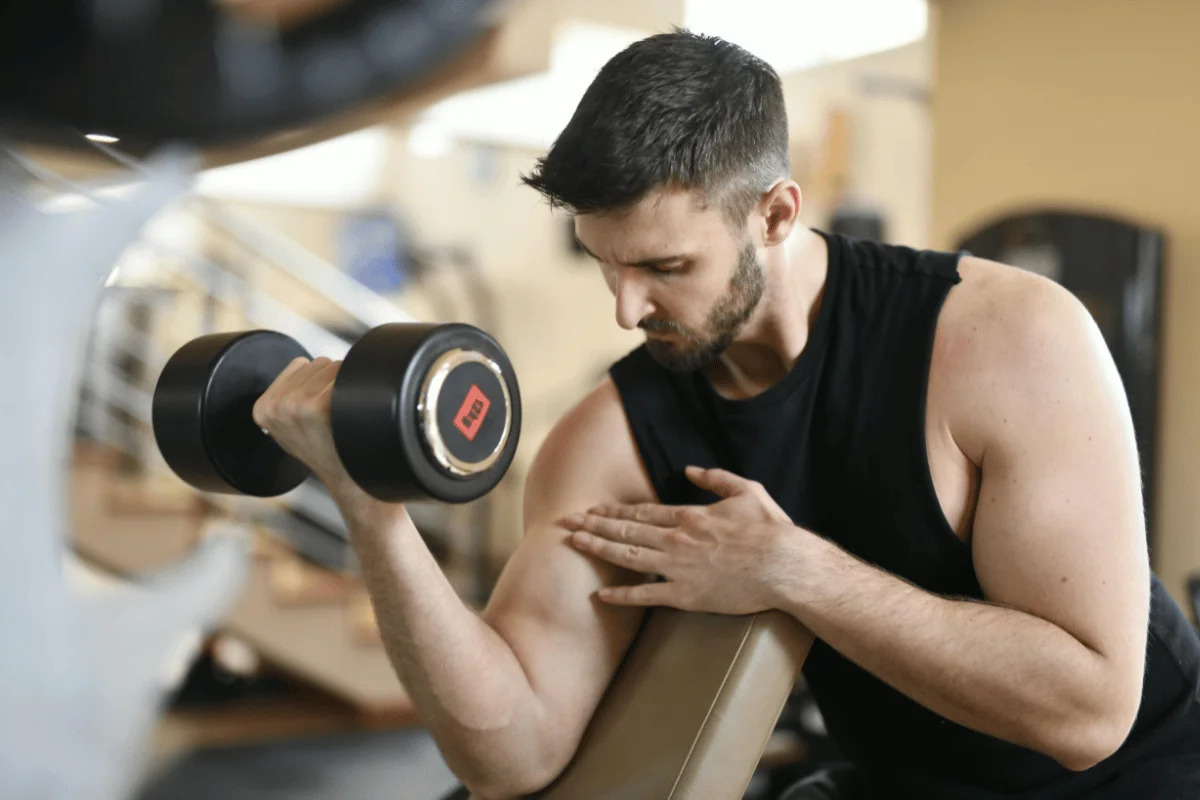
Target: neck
{"points": [[775, 335]]}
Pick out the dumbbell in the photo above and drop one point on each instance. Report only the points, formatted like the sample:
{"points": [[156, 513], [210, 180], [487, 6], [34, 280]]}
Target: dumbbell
{"points": [[419, 411]]}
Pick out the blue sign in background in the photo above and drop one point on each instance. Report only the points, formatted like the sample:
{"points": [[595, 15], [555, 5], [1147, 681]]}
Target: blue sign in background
{"points": [[373, 249]]}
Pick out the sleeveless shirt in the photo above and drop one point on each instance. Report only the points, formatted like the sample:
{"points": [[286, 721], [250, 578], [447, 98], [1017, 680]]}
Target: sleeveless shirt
{"points": [[839, 443]]}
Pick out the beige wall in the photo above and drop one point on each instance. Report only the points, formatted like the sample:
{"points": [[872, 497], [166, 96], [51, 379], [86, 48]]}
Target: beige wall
{"points": [[1091, 104], [887, 168]]}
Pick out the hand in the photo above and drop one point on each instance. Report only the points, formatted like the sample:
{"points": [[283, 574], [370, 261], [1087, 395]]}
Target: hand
{"points": [[294, 411], [723, 558]]}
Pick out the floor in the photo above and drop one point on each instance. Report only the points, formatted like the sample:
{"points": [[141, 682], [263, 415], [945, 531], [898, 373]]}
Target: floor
{"points": [[395, 765]]}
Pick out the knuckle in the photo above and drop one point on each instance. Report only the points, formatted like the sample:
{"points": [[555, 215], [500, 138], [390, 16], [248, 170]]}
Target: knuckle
{"points": [[270, 412], [313, 407], [633, 552]]}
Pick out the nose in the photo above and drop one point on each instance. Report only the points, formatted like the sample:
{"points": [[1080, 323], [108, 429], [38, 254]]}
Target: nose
{"points": [[633, 301]]}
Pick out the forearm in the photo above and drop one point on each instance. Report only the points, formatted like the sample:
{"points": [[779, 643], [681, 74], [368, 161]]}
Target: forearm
{"points": [[989, 668], [467, 683]]}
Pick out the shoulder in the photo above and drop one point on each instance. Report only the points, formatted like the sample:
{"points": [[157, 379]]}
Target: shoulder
{"points": [[590, 451], [1007, 340], [1005, 316]]}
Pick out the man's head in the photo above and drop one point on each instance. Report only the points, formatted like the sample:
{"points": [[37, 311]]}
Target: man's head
{"points": [[669, 165]]}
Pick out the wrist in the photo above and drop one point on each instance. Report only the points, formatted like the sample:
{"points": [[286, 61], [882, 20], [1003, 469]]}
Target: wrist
{"points": [[361, 511], [801, 560]]}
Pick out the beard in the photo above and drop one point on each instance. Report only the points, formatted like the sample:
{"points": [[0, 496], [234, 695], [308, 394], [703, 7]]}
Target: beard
{"points": [[728, 315]]}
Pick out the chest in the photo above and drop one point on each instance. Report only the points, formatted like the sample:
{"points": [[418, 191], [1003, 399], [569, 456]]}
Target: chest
{"points": [[869, 464]]}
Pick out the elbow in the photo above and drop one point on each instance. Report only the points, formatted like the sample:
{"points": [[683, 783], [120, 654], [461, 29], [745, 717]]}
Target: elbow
{"points": [[524, 775], [1099, 720], [1088, 742], [511, 784], [1088, 750]]}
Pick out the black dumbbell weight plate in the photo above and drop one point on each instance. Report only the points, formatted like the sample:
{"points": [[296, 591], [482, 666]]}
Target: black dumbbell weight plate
{"points": [[202, 414], [426, 411]]}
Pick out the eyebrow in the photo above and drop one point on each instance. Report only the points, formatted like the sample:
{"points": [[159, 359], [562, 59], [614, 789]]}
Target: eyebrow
{"points": [[645, 263]]}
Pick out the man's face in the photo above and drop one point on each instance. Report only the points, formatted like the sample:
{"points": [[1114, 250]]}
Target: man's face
{"points": [[678, 272]]}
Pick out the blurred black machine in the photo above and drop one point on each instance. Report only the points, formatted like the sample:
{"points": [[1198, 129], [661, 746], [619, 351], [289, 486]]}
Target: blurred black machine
{"points": [[213, 72]]}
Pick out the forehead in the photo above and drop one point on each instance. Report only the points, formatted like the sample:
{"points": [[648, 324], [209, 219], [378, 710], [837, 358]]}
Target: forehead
{"points": [[663, 218]]}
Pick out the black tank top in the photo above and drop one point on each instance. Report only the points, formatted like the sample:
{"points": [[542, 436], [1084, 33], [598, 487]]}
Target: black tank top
{"points": [[840, 444]]}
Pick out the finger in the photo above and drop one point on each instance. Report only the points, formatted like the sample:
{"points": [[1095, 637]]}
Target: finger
{"points": [[643, 594], [648, 513], [280, 384], [277, 388], [319, 377], [622, 531], [718, 481], [630, 556]]}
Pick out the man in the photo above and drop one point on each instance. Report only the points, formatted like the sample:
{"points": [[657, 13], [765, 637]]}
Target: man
{"points": [[928, 460]]}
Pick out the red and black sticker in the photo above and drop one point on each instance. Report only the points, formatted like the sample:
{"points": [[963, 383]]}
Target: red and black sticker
{"points": [[472, 412]]}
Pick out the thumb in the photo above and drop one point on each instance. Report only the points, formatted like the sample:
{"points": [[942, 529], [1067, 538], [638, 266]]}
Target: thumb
{"points": [[718, 481]]}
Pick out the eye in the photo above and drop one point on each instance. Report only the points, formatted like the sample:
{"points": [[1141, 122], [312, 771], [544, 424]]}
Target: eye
{"points": [[667, 269]]}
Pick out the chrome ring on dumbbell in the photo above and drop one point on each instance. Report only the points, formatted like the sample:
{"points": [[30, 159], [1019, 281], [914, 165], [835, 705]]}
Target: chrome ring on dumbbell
{"points": [[472, 412]]}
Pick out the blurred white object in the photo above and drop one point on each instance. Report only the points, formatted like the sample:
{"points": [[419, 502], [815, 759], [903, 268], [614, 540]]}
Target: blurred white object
{"points": [[792, 35], [80, 670], [430, 139], [346, 171]]}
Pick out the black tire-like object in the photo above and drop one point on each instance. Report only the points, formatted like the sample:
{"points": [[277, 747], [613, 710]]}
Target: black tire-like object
{"points": [[156, 71], [202, 414], [444, 427]]}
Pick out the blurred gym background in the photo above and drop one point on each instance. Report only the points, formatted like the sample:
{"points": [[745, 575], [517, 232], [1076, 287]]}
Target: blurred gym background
{"points": [[357, 163]]}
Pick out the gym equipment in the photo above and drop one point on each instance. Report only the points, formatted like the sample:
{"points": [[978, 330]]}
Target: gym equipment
{"points": [[151, 72], [419, 411], [463, 434], [202, 414], [690, 710]]}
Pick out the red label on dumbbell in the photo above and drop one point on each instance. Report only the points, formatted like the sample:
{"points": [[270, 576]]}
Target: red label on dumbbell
{"points": [[472, 412]]}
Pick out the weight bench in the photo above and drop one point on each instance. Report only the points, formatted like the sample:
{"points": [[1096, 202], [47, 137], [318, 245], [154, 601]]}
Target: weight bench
{"points": [[690, 710]]}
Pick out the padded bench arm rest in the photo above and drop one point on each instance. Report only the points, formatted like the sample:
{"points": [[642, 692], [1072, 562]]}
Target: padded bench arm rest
{"points": [[690, 710]]}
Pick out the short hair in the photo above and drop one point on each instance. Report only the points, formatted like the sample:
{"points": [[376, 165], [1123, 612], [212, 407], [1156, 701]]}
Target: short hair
{"points": [[673, 110]]}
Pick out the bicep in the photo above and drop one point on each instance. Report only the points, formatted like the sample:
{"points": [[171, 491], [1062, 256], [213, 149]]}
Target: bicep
{"points": [[1059, 529], [544, 606]]}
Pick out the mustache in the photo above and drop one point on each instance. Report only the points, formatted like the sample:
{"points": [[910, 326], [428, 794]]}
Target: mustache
{"points": [[662, 326]]}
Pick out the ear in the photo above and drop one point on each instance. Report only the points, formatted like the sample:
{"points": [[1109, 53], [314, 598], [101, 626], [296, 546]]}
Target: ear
{"points": [[780, 208]]}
